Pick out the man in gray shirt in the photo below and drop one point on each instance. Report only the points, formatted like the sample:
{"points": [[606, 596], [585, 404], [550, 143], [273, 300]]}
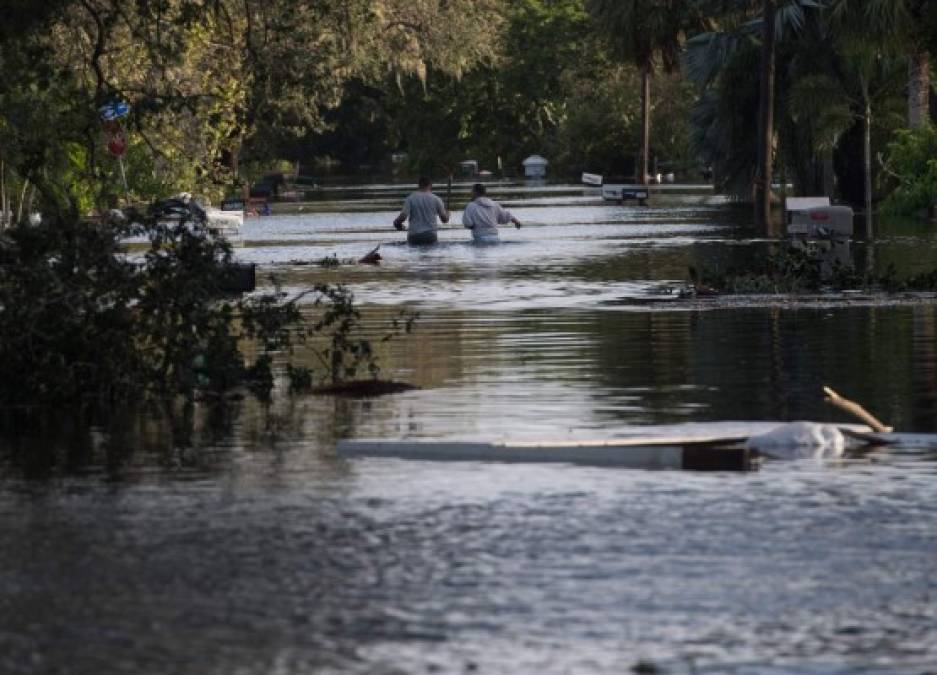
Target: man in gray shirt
{"points": [[422, 207]]}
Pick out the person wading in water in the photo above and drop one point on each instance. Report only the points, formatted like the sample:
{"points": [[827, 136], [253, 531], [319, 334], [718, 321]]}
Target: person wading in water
{"points": [[422, 207], [483, 215]]}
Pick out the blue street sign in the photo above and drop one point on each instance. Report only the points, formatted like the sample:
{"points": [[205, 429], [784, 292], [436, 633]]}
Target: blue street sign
{"points": [[114, 110]]}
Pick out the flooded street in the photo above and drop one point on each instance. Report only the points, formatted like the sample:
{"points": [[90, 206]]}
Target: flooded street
{"points": [[261, 551]]}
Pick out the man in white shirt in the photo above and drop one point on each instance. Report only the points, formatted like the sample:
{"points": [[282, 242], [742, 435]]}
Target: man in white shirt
{"points": [[422, 207], [483, 215]]}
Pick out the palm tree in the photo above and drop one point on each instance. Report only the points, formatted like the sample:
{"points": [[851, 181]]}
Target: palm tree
{"points": [[763, 178], [650, 34], [861, 82], [905, 26], [867, 69], [709, 63], [775, 19]]}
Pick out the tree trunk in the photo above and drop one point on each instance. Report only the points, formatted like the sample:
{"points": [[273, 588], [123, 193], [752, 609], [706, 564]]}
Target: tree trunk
{"points": [[22, 202], [918, 89], [645, 122], [829, 173], [3, 196], [236, 160], [30, 199], [765, 121], [867, 166]]}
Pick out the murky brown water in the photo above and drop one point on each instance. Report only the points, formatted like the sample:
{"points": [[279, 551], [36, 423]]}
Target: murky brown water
{"points": [[257, 550]]}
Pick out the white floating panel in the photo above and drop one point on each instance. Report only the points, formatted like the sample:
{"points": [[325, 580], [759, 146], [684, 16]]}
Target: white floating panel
{"points": [[725, 454]]}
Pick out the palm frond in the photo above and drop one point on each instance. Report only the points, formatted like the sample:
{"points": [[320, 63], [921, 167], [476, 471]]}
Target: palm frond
{"points": [[706, 54], [821, 103]]}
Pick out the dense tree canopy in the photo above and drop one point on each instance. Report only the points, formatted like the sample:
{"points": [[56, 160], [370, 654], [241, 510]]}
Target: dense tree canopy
{"points": [[553, 88], [833, 77], [202, 77], [215, 86]]}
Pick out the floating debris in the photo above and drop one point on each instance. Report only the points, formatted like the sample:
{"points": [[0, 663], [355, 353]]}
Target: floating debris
{"points": [[797, 440], [371, 258], [364, 388], [697, 289]]}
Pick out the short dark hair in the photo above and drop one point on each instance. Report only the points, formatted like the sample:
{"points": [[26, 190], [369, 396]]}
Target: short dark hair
{"points": [[424, 182], [478, 189]]}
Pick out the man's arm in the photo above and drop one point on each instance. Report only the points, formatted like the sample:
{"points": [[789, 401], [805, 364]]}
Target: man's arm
{"points": [[441, 210], [505, 217], [404, 214]]}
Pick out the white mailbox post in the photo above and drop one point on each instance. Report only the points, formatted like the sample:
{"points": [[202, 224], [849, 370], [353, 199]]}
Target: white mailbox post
{"points": [[535, 166]]}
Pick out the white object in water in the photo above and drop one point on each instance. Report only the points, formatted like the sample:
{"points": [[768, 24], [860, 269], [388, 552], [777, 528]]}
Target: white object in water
{"points": [[797, 440], [701, 454], [223, 223]]}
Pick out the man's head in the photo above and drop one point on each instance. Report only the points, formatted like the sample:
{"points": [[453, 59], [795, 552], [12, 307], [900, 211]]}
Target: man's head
{"points": [[478, 190], [424, 183]]}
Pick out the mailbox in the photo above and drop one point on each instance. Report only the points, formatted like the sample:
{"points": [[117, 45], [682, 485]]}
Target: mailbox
{"points": [[821, 222], [535, 166]]}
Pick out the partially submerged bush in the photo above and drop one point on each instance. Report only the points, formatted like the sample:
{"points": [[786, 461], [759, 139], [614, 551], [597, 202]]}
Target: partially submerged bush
{"points": [[923, 282], [791, 270], [84, 324], [68, 327], [785, 269]]}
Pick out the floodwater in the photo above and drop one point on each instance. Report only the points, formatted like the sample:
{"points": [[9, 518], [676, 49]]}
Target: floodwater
{"points": [[248, 546]]}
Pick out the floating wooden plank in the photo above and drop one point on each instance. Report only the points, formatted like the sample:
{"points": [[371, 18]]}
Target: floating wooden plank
{"points": [[723, 454]]}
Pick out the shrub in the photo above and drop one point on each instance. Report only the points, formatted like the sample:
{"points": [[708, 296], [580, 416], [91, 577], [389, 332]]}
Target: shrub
{"points": [[84, 324], [912, 160]]}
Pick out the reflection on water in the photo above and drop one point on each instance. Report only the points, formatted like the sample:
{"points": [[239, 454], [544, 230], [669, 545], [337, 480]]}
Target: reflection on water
{"points": [[239, 542]]}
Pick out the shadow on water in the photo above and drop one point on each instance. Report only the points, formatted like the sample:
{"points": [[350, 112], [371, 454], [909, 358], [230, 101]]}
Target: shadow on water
{"points": [[45, 444], [209, 438]]}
